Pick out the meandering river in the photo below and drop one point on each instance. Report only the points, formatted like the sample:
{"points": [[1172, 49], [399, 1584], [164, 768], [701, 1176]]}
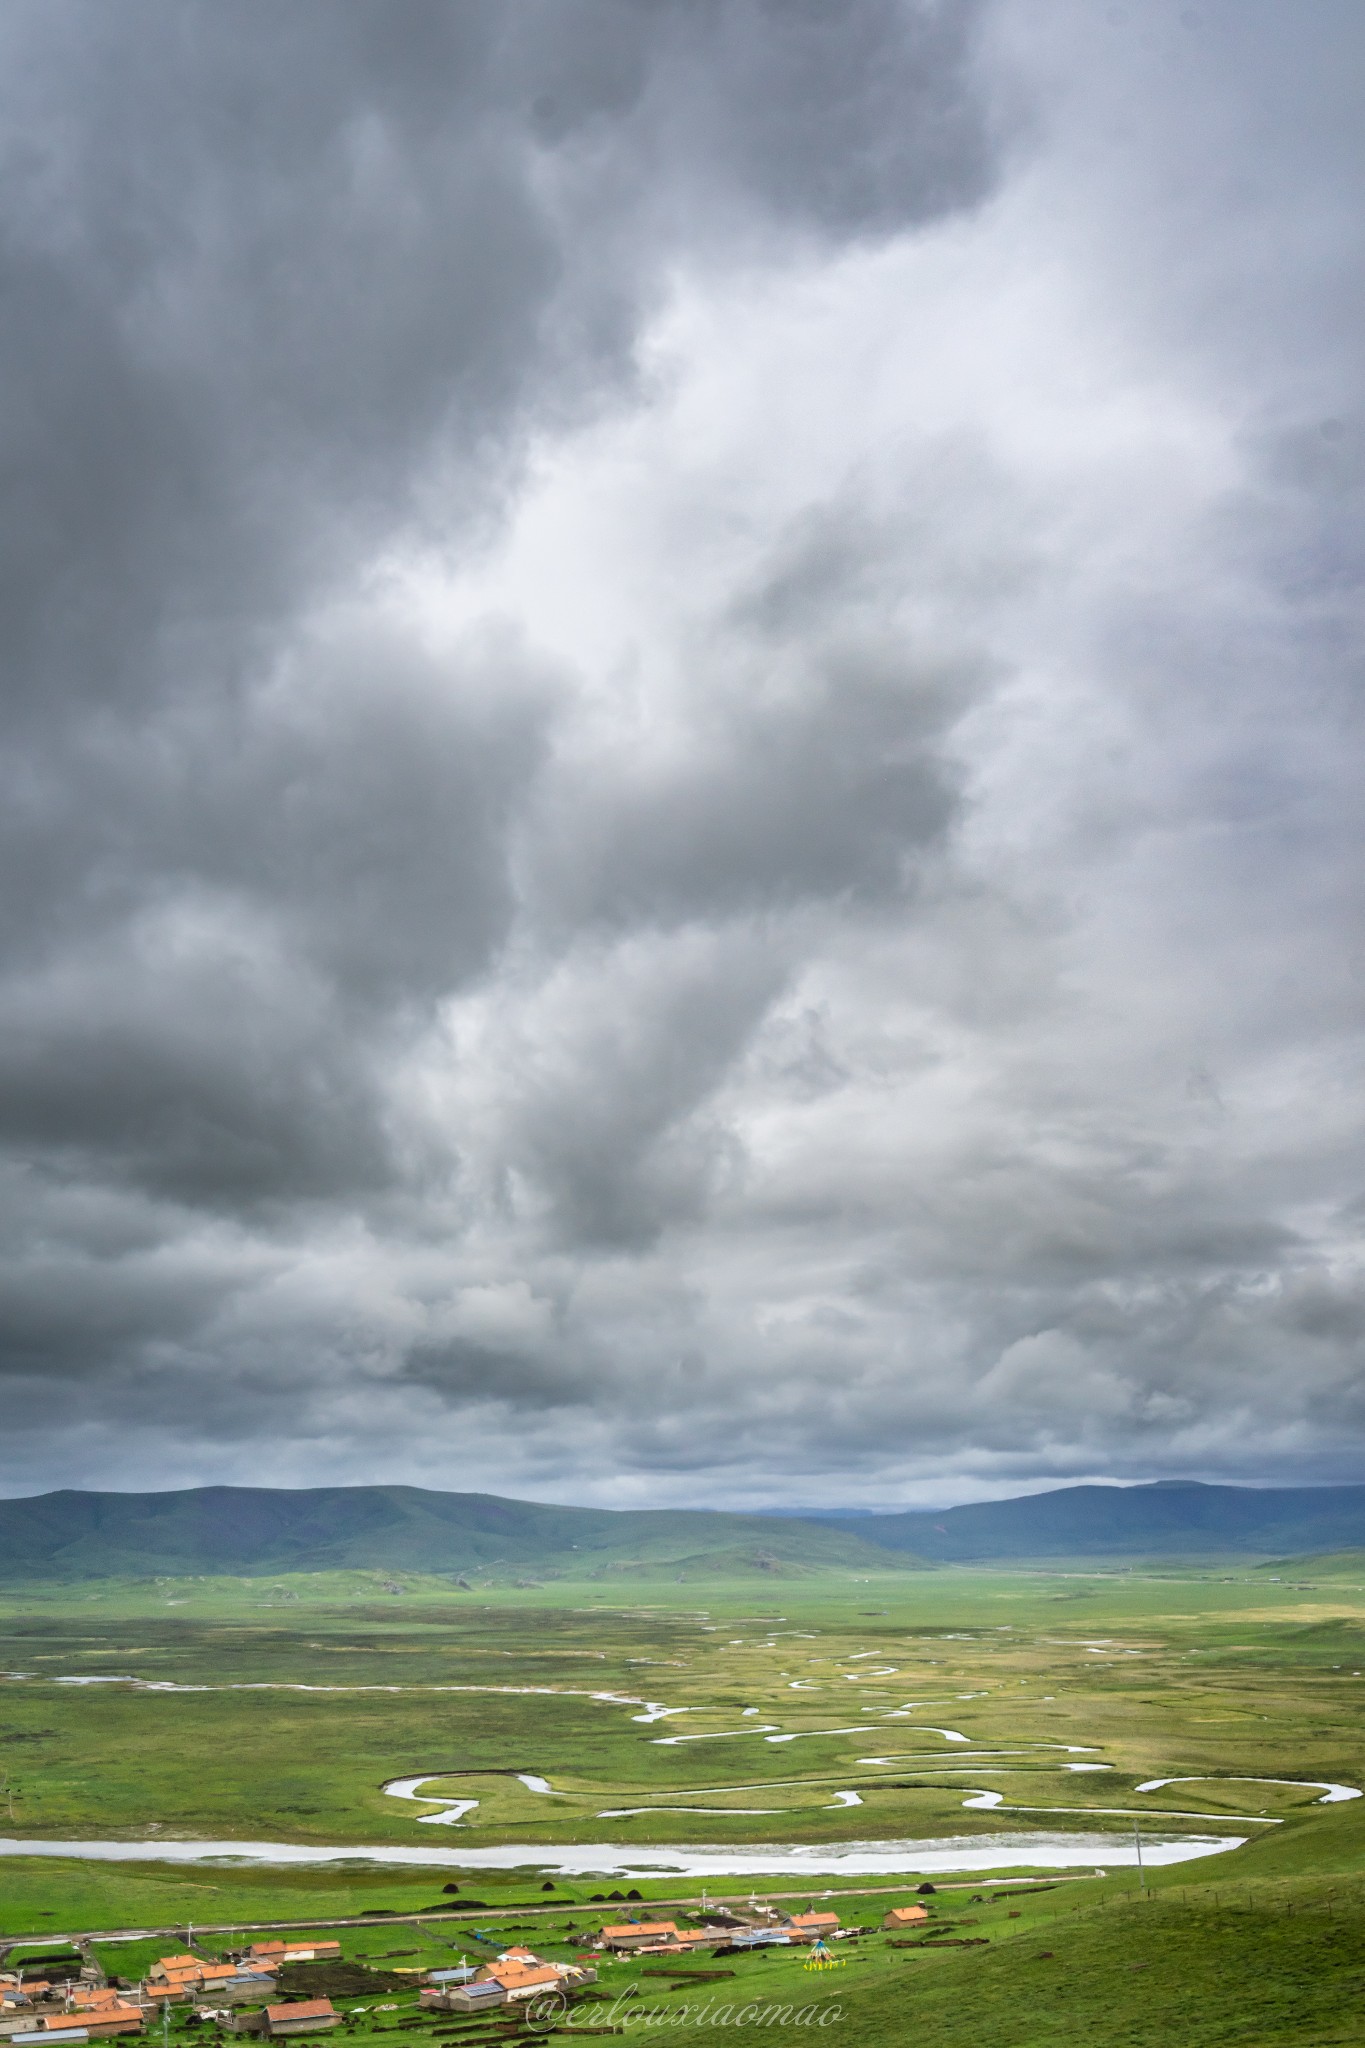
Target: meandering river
{"points": [[784, 1859]]}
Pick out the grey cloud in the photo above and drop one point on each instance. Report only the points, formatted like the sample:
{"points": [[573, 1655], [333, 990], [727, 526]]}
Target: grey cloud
{"points": [[463, 1373], [812, 764], [258, 898], [282, 290], [833, 788], [857, 120], [283, 287], [874, 966], [606, 1118]]}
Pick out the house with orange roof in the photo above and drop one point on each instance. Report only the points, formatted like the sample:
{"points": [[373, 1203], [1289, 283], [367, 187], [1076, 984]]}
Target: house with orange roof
{"points": [[104, 2019], [904, 1916], [302, 2016], [172, 1976], [524, 1980], [811, 1926], [188, 1977], [635, 1934], [685, 1941], [304, 1951]]}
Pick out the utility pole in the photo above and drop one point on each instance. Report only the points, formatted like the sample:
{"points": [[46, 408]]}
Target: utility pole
{"points": [[1137, 1844]]}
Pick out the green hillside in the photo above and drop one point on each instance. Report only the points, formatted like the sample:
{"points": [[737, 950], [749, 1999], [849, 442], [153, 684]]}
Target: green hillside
{"points": [[1336, 1564], [244, 1529], [1171, 1518], [251, 1530]]}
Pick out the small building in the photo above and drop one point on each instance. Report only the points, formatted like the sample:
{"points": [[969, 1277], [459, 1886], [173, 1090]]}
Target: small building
{"points": [[638, 1934], [248, 1988], [302, 2016], [187, 1977], [685, 1942], [91, 2026], [168, 1993], [270, 1954], [215, 1977], [904, 1916], [524, 1980], [174, 1977], [483, 1995], [811, 1926]]}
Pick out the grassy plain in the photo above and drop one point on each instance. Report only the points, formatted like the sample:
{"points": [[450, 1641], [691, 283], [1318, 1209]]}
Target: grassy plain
{"points": [[276, 1710]]}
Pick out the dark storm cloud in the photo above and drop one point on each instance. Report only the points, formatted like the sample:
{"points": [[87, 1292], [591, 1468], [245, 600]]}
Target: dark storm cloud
{"points": [[283, 286], [277, 284], [260, 891]]}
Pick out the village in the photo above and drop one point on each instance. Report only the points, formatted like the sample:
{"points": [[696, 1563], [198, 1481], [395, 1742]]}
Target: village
{"points": [[238, 1992]]}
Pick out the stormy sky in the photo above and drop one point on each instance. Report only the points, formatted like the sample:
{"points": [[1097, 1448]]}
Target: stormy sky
{"points": [[682, 755]]}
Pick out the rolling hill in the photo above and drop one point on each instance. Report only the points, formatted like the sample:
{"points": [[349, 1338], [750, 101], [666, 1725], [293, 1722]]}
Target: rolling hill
{"points": [[1167, 1519], [253, 1530]]}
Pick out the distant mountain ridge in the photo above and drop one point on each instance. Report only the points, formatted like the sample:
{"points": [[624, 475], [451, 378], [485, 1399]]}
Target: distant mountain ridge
{"points": [[250, 1530], [1170, 1517], [254, 1529]]}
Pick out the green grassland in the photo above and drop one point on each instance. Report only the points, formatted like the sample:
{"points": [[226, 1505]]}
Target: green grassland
{"points": [[303, 1694]]}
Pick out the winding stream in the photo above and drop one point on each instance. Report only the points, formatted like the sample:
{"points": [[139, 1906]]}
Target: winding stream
{"points": [[1045, 1850], [1332, 1794]]}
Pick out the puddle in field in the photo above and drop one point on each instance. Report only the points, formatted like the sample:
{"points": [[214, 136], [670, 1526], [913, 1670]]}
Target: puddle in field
{"points": [[835, 1859]]}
